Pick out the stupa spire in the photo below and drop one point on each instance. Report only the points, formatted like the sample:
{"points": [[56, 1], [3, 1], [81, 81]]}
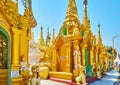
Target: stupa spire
{"points": [[99, 36], [48, 37], [85, 8], [53, 35], [72, 8], [72, 19], [41, 38], [86, 21]]}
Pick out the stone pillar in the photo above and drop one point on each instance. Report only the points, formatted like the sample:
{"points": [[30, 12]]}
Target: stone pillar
{"points": [[54, 59], [68, 64]]}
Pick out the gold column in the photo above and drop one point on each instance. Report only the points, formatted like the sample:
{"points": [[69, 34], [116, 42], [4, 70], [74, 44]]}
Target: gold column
{"points": [[15, 57], [68, 64], [54, 59], [24, 44], [83, 55], [15, 47]]}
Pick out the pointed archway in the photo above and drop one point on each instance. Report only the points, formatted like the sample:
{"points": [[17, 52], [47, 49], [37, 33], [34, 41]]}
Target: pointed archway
{"points": [[5, 53]]}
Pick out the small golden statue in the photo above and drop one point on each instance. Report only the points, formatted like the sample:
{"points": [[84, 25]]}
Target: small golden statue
{"points": [[35, 80], [45, 62], [81, 78], [94, 69], [24, 69], [77, 58], [98, 73]]}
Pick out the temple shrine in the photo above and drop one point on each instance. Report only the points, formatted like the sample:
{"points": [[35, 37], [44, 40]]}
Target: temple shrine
{"points": [[75, 54], [75, 48]]}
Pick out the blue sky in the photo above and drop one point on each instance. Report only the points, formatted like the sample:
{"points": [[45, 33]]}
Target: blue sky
{"points": [[51, 14]]}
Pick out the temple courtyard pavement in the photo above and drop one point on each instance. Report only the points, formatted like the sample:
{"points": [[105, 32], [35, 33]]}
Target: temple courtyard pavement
{"points": [[111, 78]]}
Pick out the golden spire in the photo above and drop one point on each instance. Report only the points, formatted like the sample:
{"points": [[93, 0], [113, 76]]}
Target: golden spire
{"points": [[48, 32], [29, 1], [53, 35], [99, 36], [48, 37], [28, 13], [41, 39], [72, 9], [72, 18], [85, 8], [86, 21]]}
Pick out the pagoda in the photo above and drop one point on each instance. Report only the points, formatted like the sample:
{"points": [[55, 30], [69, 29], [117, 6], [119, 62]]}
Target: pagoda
{"points": [[75, 36], [75, 48]]}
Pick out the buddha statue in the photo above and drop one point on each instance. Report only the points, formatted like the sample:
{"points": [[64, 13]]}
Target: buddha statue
{"points": [[35, 80], [44, 63], [94, 69], [24, 69], [98, 72], [77, 58]]}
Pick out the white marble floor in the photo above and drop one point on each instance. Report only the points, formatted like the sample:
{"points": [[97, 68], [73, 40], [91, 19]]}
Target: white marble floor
{"points": [[49, 82]]}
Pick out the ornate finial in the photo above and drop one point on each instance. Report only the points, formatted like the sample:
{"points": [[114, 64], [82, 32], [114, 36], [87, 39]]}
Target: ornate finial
{"points": [[29, 1], [53, 36], [99, 36], [85, 2], [86, 21], [41, 28], [99, 25], [48, 37], [41, 38], [53, 29], [48, 31], [85, 8], [72, 8]]}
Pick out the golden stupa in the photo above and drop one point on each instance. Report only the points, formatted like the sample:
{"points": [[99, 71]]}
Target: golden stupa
{"points": [[74, 50], [75, 46]]}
